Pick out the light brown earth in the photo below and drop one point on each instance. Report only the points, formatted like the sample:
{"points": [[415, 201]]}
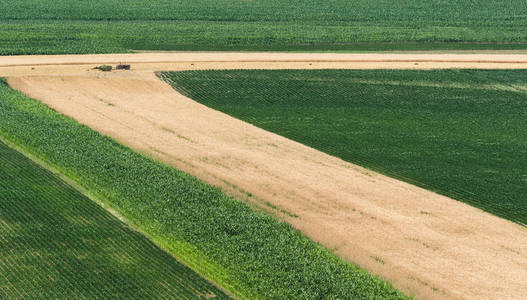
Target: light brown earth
{"points": [[427, 245], [162, 61]]}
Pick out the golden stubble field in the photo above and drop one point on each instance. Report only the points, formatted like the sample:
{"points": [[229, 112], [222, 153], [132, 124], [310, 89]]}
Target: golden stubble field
{"points": [[426, 244]]}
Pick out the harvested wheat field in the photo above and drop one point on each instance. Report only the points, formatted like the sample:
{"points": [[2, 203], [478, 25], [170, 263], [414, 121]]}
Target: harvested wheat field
{"points": [[428, 245]]}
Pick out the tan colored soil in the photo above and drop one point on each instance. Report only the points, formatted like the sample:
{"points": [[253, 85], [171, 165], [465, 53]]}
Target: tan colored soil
{"points": [[161, 61], [427, 245]]}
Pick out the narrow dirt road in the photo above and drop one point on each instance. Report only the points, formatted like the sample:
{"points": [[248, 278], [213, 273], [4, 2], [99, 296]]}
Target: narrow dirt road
{"points": [[75, 64], [428, 245]]}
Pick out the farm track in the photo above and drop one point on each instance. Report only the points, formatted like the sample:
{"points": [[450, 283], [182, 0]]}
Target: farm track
{"points": [[426, 244], [163, 61]]}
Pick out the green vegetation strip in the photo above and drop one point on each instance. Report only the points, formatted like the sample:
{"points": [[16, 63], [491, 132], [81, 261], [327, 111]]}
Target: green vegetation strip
{"points": [[245, 251], [97, 26], [55, 243], [462, 133]]}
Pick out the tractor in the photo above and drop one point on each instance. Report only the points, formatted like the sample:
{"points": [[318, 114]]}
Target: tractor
{"points": [[122, 66]]}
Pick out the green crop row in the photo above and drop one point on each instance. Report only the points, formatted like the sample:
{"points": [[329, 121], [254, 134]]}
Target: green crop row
{"points": [[245, 251], [462, 133], [55, 243], [65, 26]]}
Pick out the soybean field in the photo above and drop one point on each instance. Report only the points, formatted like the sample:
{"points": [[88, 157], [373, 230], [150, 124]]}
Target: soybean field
{"points": [[105, 26], [461, 133], [55, 243]]}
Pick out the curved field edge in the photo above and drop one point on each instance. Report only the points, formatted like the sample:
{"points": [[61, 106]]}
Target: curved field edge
{"points": [[43, 216], [246, 252], [460, 133]]}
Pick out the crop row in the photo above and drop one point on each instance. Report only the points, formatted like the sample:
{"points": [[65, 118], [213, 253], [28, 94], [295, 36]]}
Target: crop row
{"points": [[245, 251], [461, 133], [55, 243]]}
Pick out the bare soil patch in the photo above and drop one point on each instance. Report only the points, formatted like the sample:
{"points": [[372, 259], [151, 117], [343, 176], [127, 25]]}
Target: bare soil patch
{"points": [[427, 245]]}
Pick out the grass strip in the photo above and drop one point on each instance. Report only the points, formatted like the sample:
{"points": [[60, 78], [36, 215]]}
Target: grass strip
{"points": [[248, 253]]}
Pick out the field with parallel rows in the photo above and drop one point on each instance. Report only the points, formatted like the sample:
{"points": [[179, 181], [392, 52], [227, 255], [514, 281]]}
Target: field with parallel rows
{"points": [[457, 132], [65, 26], [55, 243], [249, 253]]}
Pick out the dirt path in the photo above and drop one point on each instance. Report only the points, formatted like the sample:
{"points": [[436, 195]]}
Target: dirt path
{"points": [[162, 61], [426, 244]]}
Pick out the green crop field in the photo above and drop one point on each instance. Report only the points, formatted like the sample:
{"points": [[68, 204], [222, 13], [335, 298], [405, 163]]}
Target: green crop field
{"points": [[462, 133], [79, 26], [246, 252], [55, 243]]}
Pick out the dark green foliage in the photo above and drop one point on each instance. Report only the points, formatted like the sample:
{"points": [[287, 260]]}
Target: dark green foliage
{"points": [[245, 251], [55, 243], [104, 68], [79, 26], [462, 133]]}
